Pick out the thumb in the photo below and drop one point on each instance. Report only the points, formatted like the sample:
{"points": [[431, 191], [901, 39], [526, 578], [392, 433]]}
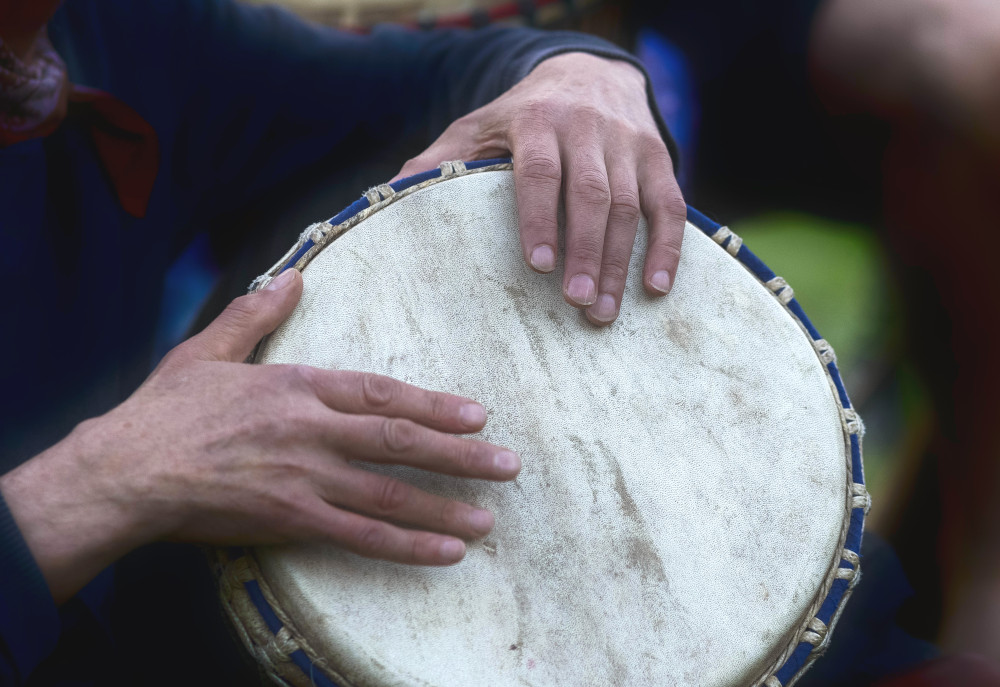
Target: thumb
{"points": [[463, 140], [233, 334], [440, 151]]}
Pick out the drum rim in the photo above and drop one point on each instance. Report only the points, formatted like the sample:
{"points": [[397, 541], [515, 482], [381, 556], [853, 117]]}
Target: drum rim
{"points": [[285, 654]]}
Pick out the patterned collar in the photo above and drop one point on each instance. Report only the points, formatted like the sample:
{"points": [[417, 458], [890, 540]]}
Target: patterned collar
{"points": [[36, 97]]}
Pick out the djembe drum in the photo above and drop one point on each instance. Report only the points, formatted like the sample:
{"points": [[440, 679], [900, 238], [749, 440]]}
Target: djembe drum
{"points": [[691, 504]]}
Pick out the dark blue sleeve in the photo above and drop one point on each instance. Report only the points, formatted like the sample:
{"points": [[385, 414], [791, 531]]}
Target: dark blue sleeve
{"points": [[270, 94], [243, 96], [29, 622]]}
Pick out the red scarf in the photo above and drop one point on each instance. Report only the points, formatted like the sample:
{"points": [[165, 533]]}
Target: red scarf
{"points": [[36, 96]]}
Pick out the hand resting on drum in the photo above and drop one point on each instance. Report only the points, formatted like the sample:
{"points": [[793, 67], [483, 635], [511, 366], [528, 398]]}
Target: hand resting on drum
{"points": [[213, 450], [580, 125]]}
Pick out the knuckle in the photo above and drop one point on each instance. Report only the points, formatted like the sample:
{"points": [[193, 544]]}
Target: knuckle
{"points": [[420, 548], [453, 514], [370, 538], [590, 186], [242, 311], [625, 207], [378, 391], [298, 375], [674, 206], [391, 496], [535, 112], [466, 457], [540, 168], [653, 149], [304, 422], [586, 249], [672, 251], [587, 118], [667, 254], [177, 355], [437, 407], [592, 113], [397, 436], [615, 272]]}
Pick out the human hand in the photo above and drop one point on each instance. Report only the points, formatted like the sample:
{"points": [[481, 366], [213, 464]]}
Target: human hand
{"points": [[580, 125], [215, 451]]}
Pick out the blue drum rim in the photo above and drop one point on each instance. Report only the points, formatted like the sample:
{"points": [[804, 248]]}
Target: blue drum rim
{"points": [[815, 633]]}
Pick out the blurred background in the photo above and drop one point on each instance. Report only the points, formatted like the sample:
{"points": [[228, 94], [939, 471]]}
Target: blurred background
{"points": [[786, 136]]}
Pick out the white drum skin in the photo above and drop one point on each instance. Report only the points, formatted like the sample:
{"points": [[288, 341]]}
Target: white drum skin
{"points": [[686, 485]]}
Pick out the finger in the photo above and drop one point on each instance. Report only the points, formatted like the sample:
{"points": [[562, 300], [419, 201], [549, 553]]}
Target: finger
{"points": [[537, 181], [377, 539], [465, 139], [233, 334], [403, 442], [390, 499], [441, 150], [619, 240], [665, 212], [588, 203], [371, 394]]}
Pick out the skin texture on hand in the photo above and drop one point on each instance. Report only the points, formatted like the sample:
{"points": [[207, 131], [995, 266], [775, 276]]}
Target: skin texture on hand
{"points": [[215, 451], [579, 127]]}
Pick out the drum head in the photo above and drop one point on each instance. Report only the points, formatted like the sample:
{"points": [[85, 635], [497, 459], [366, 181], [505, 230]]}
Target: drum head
{"points": [[690, 472]]}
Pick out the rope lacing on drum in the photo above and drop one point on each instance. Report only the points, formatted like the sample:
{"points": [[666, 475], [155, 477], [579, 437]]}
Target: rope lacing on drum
{"points": [[279, 649], [851, 557], [376, 194], [780, 288], [452, 167], [723, 233], [772, 682], [315, 232], [853, 422], [234, 574], [816, 632], [860, 498], [825, 351]]}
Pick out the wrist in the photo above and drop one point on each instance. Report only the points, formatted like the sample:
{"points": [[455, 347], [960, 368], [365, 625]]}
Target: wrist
{"points": [[71, 513], [621, 68]]}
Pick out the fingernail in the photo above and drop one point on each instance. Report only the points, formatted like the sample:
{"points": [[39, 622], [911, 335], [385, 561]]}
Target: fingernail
{"points": [[452, 550], [660, 281], [281, 281], [605, 309], [543, 259], [581, 290], [507, 461], [481, 521], [472, 414]]}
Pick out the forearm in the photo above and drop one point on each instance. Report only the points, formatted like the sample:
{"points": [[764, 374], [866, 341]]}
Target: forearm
{"points": [[291, 93], [69, 514]]}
